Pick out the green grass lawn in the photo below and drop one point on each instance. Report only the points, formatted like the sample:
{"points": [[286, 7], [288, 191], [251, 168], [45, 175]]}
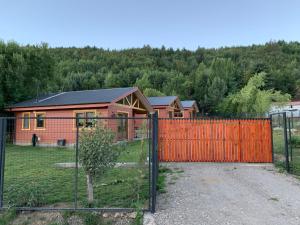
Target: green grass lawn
{"points": [[295, 153], [279, 151], [295, 162], [278, 142], [32, 179]]}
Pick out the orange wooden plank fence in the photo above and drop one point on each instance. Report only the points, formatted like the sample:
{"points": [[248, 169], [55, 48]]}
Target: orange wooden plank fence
{"points": [[215, 140]]}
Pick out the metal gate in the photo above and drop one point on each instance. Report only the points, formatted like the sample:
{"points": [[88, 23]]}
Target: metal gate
{"points": [[215, 140]]}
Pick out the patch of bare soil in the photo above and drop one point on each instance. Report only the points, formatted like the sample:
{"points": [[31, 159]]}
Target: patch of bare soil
{"points": [[58, 218], [38, 218]]}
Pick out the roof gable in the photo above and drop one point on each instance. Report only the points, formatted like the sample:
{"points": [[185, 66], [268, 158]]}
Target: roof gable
{"points": [[190, 104], [135, 100]]}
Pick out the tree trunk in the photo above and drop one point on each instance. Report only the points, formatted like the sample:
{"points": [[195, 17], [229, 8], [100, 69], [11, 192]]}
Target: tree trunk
{"points": [[90, 190]]}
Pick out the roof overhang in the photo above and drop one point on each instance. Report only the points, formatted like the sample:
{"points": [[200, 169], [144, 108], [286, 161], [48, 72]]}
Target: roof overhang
{"points": [[160, 106], [177, 100], [195, 106], [134, 90], [59, 107]]}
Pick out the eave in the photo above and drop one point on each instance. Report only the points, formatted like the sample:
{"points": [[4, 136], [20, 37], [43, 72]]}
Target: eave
{"points": [[59, 107]]}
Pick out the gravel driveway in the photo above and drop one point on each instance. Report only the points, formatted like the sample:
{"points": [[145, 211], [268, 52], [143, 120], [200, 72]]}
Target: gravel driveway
{"points": [[209, 193]]}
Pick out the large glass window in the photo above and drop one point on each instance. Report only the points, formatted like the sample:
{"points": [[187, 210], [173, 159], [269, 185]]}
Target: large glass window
{"points": [[90, 119], [122, 126], [40, 120], [80, 119], [178, 114], [26, 121], [85, 119]]}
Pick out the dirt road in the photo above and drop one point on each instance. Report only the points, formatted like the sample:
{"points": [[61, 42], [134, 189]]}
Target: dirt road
{"points": [[235, 194]]}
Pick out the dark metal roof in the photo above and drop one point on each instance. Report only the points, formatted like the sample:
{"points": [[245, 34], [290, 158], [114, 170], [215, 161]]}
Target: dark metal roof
{"points": [[188, 103], [164, 100], [77, 97]]}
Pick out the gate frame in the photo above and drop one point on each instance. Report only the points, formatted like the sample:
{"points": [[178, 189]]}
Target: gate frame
{"points": [[154, 161], [285, 137]]}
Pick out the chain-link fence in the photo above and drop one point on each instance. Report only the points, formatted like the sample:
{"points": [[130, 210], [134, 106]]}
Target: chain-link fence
{"points": [[286, 142], [278, 136], [77, 163], [293, 124]]}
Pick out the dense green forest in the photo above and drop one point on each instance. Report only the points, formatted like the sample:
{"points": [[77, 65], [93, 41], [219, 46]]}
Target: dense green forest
{"points": [[213, 77]]}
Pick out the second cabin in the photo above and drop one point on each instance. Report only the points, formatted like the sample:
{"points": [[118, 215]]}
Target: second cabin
{"points": [[167, 106]]}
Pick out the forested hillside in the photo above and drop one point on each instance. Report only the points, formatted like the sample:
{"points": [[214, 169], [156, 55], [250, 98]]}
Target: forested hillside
{"points": [[207, 75]]}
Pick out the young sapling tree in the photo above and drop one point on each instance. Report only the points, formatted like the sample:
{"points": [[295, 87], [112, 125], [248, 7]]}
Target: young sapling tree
{"points": [[98, 152]]}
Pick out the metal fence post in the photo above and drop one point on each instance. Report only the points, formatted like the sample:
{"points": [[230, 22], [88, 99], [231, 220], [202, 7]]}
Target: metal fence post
{"points": [[154, 161], [76, 164], [286, 144], [272, 142], [149, 136], [290, 140], [156, 143], [2, 156]]}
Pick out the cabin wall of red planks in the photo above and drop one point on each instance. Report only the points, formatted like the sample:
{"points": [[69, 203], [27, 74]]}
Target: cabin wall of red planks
{"points": [[215, 140]]}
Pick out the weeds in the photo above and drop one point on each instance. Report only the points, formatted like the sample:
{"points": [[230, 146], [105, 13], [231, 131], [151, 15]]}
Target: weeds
{"points": [[8, 216], [88, 218], [139, 218], [161, 182], [29, 195], [274, 199]]}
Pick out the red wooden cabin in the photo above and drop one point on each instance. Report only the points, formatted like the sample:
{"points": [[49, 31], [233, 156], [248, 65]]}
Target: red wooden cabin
{"points": [[167, 106], [43, 116]]}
